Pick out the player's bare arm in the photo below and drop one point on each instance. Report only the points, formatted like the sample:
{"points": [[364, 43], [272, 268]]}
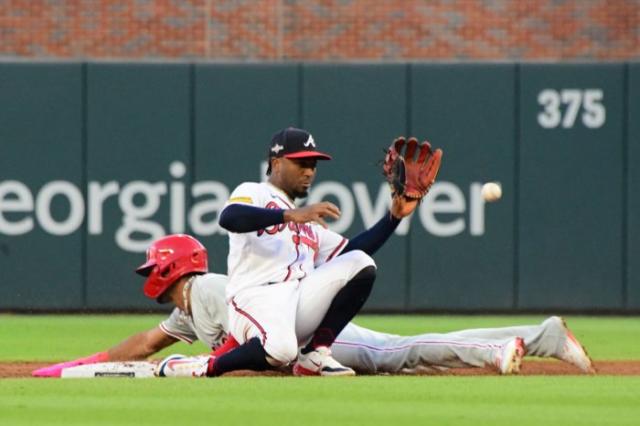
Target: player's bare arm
{"points": [[141, 345], [313, 213], [136, 347]]}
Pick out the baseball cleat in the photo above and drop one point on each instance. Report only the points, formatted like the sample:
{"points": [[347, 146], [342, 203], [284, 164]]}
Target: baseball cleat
{"points": [[510, 356], [573, 352], [320, 363], [182, 366]]}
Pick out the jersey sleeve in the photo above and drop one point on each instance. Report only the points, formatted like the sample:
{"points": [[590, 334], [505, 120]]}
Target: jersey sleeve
{"points": [[248, 193], [176, 327], [330, 245]]}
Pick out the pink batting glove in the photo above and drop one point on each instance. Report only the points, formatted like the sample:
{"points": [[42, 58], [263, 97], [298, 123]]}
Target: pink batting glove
{"points": [[56, 369]]}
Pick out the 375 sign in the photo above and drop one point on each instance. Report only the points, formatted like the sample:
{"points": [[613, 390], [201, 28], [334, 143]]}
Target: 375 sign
{"points": [[568, 108]]}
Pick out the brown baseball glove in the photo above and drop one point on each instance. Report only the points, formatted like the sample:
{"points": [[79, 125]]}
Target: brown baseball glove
{"points": [[410, 174]]}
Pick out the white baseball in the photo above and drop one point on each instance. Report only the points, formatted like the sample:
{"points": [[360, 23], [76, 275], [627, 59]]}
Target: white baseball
{"points": [[491, 192]]}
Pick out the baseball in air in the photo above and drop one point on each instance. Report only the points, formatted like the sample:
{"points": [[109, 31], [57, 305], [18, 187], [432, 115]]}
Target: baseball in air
{"points": [[491, 192]]}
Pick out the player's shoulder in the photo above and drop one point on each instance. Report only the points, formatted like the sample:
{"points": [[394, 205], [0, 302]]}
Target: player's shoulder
{"points": [[249, 186], [248, 193], [210, 288], [211, 279]]}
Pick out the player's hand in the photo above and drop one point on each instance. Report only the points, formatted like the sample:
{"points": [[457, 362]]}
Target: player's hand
{"points": [[402, 206], [313, 213]]}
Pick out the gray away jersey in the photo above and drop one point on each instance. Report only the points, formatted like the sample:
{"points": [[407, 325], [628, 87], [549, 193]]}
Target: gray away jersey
{"points": [[208, 320]]}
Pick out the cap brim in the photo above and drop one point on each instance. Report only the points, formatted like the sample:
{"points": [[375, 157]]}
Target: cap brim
{"points": [[309, 154]]}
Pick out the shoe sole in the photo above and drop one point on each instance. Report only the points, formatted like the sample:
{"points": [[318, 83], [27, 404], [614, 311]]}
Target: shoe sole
{"points": [[590, 369], [300, 371], [337, 373], [515, 358]]}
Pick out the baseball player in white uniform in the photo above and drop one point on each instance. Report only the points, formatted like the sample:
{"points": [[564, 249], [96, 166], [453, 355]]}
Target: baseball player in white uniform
{"points": [[293, 283], [177, 272]]}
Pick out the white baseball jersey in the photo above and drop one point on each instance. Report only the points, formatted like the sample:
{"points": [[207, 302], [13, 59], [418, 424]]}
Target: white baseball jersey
{"points": [[367, 350], [279, 253]]}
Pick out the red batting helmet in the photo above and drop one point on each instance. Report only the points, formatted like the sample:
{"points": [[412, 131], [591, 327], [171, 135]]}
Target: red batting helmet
{"points": [[170, 258]]}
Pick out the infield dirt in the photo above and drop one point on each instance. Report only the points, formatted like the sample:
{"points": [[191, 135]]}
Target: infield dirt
{"points": [[534, 368]]}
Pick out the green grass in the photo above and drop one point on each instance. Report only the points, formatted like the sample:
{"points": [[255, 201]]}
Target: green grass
{"points": [[62, 337], [50, 337], [366, 400], [321, 401]]}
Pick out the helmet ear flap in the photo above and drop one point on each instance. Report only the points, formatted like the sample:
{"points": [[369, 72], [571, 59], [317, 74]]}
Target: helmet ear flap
{"points": [[166, 271]]}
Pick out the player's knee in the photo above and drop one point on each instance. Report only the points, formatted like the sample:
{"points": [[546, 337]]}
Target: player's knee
{"points": [[360, 260], [366, 275]]}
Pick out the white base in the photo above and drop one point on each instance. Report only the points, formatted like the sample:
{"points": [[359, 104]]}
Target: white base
{"points": [[131, 369]]}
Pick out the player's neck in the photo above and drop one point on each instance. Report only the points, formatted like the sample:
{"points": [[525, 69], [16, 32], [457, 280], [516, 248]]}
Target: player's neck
{"points": [[186, 295], [274, 183], [181, 294]]}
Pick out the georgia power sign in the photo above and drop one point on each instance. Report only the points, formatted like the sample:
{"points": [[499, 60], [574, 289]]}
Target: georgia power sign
{"points": [[22, 209]]}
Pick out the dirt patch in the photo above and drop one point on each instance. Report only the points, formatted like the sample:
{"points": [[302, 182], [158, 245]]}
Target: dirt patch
{"points": [[534, 368], [19, 369]]}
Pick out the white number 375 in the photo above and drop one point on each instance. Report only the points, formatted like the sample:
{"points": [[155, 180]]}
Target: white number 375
{"points": [[588, 100]]}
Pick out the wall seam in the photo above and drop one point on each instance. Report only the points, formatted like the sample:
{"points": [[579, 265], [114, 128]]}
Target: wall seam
{"points": [[625, 186], [516, 186], [408, 132], [84, 173], [192, 130]]}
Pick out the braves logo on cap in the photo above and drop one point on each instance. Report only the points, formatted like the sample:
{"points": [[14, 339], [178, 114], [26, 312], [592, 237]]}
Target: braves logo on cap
{"points": [[310, 142]]}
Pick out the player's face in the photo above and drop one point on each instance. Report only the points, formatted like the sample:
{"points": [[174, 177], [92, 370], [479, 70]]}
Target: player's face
{"points": [[297, 175]]}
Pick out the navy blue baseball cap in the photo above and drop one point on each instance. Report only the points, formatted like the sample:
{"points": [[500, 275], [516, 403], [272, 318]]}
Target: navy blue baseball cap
{"points": [[295, 143]]}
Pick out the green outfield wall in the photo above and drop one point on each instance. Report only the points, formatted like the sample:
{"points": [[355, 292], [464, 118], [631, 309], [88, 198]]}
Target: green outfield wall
{"points": [[99, 159]]}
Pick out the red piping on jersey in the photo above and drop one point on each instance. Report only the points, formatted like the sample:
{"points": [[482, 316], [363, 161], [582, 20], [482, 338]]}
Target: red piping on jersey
{"points": [[250, 318], [334, 252], [417, 343], [297, 251], [289, 269]]}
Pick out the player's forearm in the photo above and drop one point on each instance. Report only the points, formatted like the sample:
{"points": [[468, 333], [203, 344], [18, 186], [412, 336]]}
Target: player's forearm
{"points": [[241, 218], [136, 347], [372, 239], [139, 346]]}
